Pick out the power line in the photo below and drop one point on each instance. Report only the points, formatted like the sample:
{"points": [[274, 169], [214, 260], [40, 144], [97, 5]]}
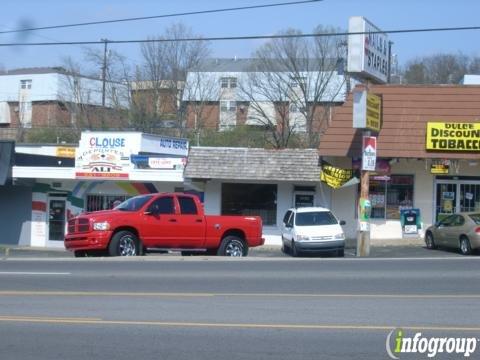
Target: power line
{"points": [[248, 37], [160, 16]]}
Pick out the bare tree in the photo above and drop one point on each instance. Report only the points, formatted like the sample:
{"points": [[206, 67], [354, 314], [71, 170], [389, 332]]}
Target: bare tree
{"points": [[439, 69], [166, 64], [301, 78], [200, 91]]}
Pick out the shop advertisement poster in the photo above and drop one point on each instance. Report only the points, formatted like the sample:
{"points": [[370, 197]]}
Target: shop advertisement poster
{"points": [[103, 156], [369, 153]]}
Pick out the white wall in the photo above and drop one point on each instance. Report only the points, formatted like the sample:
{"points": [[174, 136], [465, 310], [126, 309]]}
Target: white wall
{"points": [[285, 200]]}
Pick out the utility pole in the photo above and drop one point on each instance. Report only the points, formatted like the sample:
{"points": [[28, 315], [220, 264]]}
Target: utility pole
{"points": [[104, 69]]}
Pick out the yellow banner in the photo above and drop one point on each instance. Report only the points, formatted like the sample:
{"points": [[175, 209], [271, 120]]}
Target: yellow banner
{"points": [[335, 177], [453, 136], [374, 112]]}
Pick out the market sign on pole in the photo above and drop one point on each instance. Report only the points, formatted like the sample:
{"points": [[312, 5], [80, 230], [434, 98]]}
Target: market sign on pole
{"points": [[369, 153], [367, 111], [368, 53]]}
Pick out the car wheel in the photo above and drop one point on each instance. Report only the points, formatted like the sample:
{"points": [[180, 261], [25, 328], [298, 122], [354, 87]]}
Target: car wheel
{"points": [[80, 253], [465, 247], [293, 250], [233, 246], [124, 243], [429, 241]]}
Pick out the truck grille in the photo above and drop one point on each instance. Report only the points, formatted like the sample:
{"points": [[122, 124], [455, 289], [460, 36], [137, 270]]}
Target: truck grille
{"points": [[78, 225]]}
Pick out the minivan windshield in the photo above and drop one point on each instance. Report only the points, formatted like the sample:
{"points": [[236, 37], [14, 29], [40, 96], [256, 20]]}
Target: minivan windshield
{"points": [[133, 204], [315, 218]]}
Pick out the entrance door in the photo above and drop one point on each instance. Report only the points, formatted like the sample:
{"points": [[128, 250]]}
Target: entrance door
{"points": [[446, 200], [56, 219], [304, 199]]}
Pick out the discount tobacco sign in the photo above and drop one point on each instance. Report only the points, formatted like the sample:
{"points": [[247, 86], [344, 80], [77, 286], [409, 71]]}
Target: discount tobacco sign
{"points": [[453, 136]]}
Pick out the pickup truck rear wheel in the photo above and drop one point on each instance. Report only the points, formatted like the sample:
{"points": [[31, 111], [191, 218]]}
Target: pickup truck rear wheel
{"points": [[124, 243], [233, 246]]}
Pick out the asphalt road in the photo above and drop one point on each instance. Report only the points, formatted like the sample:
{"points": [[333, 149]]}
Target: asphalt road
{"points": [[217, 308]]}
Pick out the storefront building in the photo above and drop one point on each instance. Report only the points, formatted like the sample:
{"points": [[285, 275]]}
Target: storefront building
{"points": [[104, 168], [428, 157], [248, 181]]}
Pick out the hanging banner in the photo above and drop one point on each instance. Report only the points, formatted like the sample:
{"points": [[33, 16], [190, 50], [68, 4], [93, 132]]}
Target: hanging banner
{"points": [[369, 153], [337, 177]]}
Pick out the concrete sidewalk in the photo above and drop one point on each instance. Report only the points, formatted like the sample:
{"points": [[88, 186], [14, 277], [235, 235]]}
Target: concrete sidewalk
{"points": [[391, 247]]}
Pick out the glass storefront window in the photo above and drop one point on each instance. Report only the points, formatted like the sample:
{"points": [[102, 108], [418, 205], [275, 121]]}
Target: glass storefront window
{"points": [[250, 199], [390, 194]]}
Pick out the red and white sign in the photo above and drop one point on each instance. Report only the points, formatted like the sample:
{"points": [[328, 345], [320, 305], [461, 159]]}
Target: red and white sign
{"points": [[369, 153]]}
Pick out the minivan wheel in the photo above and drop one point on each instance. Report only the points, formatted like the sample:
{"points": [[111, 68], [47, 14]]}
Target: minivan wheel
{"points": [[341, 252], [465, 247], [293, 249]]}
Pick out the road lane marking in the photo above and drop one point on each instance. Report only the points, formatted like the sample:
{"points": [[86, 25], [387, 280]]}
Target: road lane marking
{"points": [[34, 273], [96, 321], [244, 295]]}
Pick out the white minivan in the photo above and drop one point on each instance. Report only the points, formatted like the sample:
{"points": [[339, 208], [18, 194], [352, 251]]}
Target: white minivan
{"points": [[312, 229]]}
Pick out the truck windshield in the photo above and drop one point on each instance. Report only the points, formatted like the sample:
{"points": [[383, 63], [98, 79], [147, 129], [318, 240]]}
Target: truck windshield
{"points": [[134, 204], [315, 218]]}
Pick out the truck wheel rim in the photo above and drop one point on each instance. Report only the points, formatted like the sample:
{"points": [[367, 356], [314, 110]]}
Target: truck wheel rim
{"points": [[234, 248], [127, 246]]}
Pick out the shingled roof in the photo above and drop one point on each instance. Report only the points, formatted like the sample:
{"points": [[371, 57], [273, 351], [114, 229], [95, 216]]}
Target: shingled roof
{"points": [[253, 164], [406, 111]]}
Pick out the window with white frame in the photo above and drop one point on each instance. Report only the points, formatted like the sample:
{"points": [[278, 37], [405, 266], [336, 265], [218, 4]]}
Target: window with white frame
{"points": [[228, 82], [228, 106], [25, 84]]}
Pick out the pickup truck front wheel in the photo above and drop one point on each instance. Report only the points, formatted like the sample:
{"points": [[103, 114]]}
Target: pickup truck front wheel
{"points": [[124, 243], [232, 246]]}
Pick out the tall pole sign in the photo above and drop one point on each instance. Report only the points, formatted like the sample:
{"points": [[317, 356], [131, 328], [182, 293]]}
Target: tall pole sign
{"points": [[368, 59]]}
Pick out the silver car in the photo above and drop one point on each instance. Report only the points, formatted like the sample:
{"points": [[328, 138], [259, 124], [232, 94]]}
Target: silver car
{"points": [[460, 231]]}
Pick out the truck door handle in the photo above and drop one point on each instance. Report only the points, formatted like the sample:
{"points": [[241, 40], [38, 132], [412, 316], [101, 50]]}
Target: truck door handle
{"points": [[198, 220], [172, 220]]}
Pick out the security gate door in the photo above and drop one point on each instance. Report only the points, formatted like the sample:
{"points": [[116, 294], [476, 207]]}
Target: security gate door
{"points": [[56, 218]]}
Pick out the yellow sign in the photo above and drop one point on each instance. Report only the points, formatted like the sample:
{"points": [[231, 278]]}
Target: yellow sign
{"points": [[374, 112], [66, 152], [453, 136], [335, 177], [439, 169]]}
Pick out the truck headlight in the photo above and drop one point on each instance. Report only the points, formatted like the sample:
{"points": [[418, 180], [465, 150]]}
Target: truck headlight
{"points": [[101, 226], [340, 236], [302, 237]]}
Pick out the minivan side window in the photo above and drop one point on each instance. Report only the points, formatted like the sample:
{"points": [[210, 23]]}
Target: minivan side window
{"points": [[187, 205], [287, 216], [290, 221]]}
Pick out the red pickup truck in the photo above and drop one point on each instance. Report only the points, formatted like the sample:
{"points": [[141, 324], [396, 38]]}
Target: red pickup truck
{"points": [[165, 221]]}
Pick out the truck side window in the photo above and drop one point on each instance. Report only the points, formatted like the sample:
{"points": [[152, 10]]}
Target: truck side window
{"points": [[163, 205], [187, 205]]}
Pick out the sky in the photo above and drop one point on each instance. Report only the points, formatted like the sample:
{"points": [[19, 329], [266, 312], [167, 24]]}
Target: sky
{"points": [[385, 14]]}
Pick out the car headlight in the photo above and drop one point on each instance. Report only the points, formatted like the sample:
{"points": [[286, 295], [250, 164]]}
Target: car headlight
{"points": [[340, 236], [302, 237], [102, 226]]}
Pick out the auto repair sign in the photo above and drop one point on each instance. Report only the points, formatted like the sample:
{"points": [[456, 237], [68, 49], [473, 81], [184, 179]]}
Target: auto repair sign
{"points": [[453, 136]]}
